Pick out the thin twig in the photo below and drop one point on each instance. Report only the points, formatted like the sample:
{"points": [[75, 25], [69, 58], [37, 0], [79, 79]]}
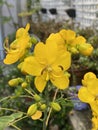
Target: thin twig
{"points": [[29, 92], [17, 120], [13, 110], [47, 120], [17, 128]]}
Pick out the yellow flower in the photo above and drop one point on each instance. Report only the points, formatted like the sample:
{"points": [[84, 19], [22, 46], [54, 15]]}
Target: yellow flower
{"points": [[48, 63], [89, 91], [18, 46]]}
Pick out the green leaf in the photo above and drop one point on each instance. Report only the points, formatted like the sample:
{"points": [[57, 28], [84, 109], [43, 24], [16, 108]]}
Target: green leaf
{"points": [[5, 120], [17, 115]]}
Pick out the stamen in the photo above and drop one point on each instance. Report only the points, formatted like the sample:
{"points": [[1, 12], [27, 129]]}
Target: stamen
{"points": [[6, 44], [61, 67]]}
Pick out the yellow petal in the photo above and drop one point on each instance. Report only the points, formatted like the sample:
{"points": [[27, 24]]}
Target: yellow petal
{"points": [[57, 39], [61, 82], [84, 95], [12, 57], [79, 40], [89, 75], [93, 87], [40, 83], [27, 27], [31, 66], [51, 52], [94, 107], [63, 61], [68, 35], [37, 115], [46, 53], [40, 53]]}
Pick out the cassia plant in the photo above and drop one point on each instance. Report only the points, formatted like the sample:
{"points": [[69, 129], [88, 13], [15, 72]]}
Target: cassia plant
{"points": [[48, 66]]}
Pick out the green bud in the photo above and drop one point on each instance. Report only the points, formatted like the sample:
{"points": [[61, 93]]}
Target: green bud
{"points": [[32, 109], [43, 106], [37, 97], [33, 40], [20, 80], [74, 50], [55, 106], [24, 84], [13, 82], [67, 74]]}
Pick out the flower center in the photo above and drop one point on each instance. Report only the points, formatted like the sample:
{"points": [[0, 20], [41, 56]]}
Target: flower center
{"points": [[49, 68]]}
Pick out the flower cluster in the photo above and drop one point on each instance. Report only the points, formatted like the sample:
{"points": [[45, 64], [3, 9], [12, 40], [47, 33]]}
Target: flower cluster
{"points": [[48, 64], [89, 93]]}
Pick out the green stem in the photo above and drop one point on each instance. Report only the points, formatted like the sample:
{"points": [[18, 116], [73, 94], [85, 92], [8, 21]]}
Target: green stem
{"points": [[17, 128], [29, 92], [5, 98], [17, 120], [50, 110], [44, 120], [47, 104], [9, 109]]}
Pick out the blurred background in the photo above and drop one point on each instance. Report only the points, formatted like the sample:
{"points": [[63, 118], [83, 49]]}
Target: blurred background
{"points": [[44, 13]]}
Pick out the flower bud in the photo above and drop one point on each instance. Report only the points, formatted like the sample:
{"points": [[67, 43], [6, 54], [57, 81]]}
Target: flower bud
{"points": [[20, 65], [37, 97], [55, 106], [24, 84], [32, 110], [43, 106], [85, 49], [33, 40], [67, 74], [28, 78], [74, 50], [20, 80], [13, 82]]}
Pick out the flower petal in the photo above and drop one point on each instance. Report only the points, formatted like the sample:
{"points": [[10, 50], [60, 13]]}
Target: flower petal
{"points": [[63, 61], [40, 53], [61, 82], [93, 87], [31, 66], [94, 107], [84, 95], [57, 39], [37, 115], [68, 35], [40, 83], [46, 53], [12, 57]]}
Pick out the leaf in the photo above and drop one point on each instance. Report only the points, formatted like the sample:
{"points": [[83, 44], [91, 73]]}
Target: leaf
{"points": [[5, 120], [17, 115]]}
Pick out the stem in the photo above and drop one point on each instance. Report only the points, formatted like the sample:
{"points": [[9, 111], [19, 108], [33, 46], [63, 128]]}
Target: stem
{"points": [[15, 127], [17, 120], [9, 109], [47, 120], [29, 92], [44, 120], [5, 98], [46, 110], [11, 97]]}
